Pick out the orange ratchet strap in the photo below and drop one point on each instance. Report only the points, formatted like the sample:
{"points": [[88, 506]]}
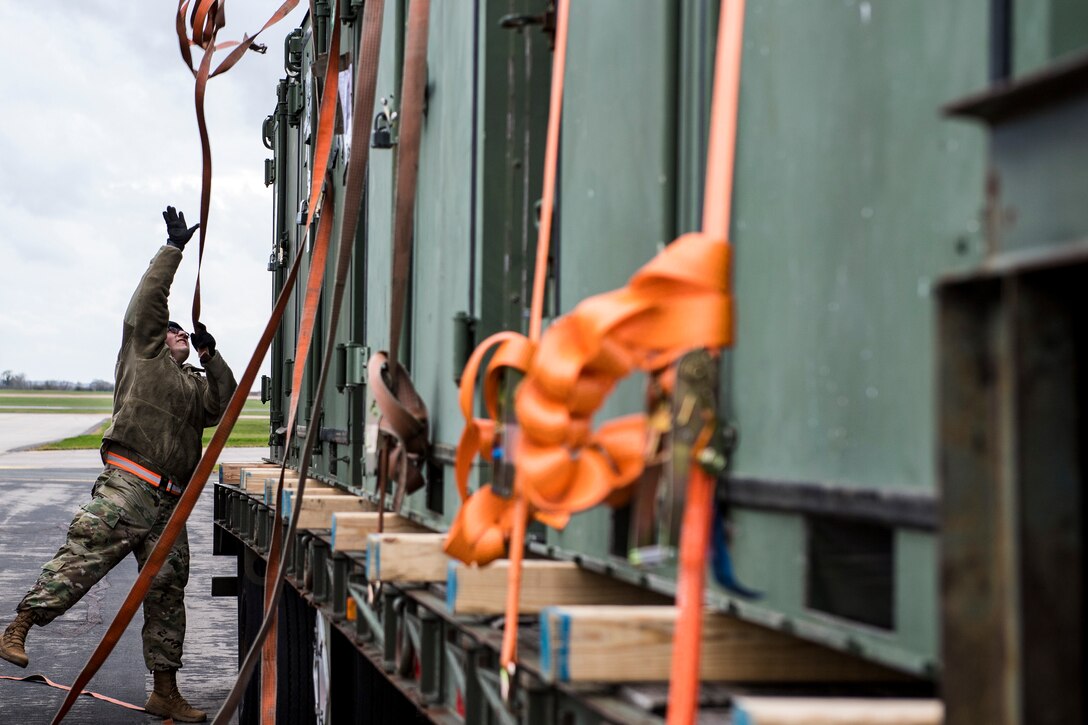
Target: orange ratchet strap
{"points": [[404, 422], [699, 503], [678, 301], [314, 285]]}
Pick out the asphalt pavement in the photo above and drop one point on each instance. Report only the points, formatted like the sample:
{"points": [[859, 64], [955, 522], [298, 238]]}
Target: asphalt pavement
{"points": [[40, 491]]}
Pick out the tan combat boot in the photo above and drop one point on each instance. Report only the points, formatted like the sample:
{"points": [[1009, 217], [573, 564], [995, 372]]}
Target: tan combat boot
{"points": [[13, 641], [167, 702]]}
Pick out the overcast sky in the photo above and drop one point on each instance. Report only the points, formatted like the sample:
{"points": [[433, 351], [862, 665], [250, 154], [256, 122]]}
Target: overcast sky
{"points": [[97, 136]]}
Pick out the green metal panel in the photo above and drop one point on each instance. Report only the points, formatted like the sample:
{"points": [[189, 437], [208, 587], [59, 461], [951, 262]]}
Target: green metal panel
{"points": [[1045, 30], [442, 227], [288, 170], [1040, 164], [618, 158], [777, 542], [916, 554], [770, 550], [380, 185], [616, 204], [852, 193], [514, 77], [698, 24]]}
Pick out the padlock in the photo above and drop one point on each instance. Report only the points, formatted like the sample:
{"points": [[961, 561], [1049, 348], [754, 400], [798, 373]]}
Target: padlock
{"points": [[382, 135]]}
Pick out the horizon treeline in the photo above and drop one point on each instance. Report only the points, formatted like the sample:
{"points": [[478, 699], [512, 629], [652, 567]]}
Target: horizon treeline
{"points": [[18, 381]]}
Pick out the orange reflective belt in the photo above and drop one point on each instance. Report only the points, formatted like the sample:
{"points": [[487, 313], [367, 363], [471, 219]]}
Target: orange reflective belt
{"points": [[158, 481]]}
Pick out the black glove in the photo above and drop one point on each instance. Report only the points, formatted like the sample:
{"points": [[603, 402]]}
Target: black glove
{"points": [[177, 234], [201, 339]]}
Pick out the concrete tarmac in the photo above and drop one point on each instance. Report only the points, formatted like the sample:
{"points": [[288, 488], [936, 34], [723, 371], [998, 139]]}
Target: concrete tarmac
{"points": [[39, 494], [18, 430]]}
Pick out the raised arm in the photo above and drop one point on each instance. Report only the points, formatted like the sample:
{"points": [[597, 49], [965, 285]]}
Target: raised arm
{"points": [[148, 314]]}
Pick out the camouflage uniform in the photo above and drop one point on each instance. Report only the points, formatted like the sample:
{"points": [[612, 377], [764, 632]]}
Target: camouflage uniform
{"points": [[124, 515], [160, 411]]}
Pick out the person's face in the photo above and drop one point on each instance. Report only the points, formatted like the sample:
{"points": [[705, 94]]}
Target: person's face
{"points": [[178, 342]]}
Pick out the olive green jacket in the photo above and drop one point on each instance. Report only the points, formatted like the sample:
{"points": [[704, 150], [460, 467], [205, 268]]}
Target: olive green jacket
{"points": [[160, 408]]}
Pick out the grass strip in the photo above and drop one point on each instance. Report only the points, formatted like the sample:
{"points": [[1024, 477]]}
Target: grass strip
{"points": [[247, 433]]}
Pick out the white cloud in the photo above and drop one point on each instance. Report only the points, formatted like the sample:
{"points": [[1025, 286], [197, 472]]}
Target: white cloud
{"points": [[98, 135]]}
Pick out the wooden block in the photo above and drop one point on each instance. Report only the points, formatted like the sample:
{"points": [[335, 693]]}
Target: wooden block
{"points": [[317, 510], [231, 473], [252, 479], [482, 590], [349, 530], [836, 711], [290, 495], [312, 488], [258, 483], [395, 557], [634, 644]]}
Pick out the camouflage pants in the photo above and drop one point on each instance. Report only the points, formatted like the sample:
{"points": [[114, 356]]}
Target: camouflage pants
{"points": [[124, 515]]}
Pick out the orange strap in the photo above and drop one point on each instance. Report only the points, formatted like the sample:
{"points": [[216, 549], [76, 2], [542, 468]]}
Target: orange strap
{"points": [[405, 440], [551, 167], [413, 90], [676, 302], [314, 284], [486, 521], [699, 504], [104, 698], [365, 82], [308, 318], [691, 581], [206, 19]]}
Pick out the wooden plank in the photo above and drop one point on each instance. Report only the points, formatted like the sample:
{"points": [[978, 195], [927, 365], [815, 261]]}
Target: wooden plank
{"points": [[398, 557], [257, 483], [836, 711], [317, 510], [634, 644], [291, 494], [252, 479], [312, 487], [230, 473], [349, 531], [482, 590]]}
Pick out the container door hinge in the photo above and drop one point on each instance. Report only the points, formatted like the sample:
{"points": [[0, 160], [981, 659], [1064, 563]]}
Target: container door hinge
{"points": [[356, 359]]}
